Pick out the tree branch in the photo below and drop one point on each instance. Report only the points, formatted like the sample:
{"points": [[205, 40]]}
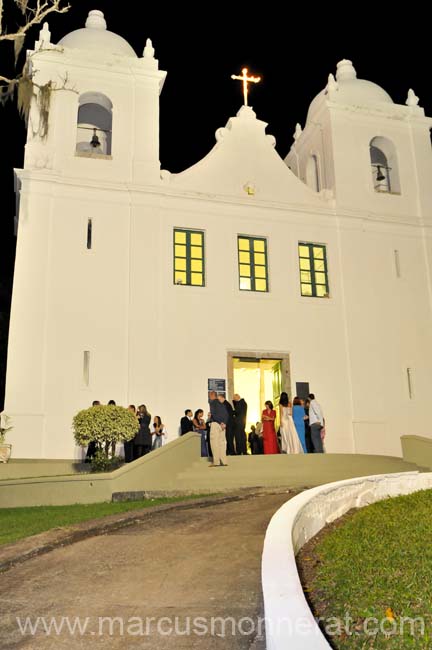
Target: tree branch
{"points": [[5, 80], [40, 12]]}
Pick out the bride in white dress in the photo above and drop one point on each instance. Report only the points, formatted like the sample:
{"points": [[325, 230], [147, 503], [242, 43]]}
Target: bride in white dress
{"points": [[290, 442]]}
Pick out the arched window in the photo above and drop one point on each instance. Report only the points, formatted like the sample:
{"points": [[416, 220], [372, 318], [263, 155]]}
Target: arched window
{"points": [[312, 173], [94, 124], [385, 172]]}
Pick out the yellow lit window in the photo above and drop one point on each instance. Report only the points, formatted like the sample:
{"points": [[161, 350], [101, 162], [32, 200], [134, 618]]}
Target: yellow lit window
{"points": [[189, 257], [196, 239], [179, 277], [180, 251], [260, 285], [313, 270], [252, 255]]}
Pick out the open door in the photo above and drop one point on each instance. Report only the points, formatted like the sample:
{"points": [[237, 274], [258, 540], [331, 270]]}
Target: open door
{"points": [[277, 388], [257, 380]]}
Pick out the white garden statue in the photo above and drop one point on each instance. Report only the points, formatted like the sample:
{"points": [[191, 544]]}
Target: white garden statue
{"points": [[5, 449]]}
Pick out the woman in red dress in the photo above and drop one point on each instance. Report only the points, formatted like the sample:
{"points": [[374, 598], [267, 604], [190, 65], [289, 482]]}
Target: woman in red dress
{"points": [[269, 433]]}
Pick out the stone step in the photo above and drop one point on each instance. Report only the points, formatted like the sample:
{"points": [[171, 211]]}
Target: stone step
{"points": [[291, 471]]}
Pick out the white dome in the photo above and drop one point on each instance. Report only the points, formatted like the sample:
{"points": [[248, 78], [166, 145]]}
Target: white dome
{"points": [[351, 91], [95, 36]]}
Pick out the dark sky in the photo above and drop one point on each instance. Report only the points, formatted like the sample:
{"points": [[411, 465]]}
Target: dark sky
{"points": [[293, 48]]}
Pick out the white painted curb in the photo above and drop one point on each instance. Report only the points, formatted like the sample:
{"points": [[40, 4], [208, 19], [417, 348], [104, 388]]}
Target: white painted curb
{"points": [[289, 622]]}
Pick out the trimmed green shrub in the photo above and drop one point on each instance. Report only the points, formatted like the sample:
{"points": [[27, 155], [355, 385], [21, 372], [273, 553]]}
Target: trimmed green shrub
{"points": [[101, 463], [106, 425]]}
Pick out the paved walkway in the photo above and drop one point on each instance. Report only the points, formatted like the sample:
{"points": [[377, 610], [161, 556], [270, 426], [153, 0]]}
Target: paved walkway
{"points": [[188, 569]]}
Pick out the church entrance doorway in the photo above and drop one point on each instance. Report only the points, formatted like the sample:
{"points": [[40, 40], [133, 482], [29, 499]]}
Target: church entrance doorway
{"points": [[258, 377]]}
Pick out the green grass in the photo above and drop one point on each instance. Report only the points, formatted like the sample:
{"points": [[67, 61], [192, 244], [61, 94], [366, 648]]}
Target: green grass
{"points": [[16, 523], [379, 558]]}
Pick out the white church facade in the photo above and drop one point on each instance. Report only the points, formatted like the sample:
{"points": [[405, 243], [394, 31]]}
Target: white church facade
{"points": [[139, 285]]}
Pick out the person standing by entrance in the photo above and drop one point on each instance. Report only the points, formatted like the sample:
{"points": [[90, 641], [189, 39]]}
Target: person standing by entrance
{"points": [[240, 411], [290, 442], [128, 444], [298, 415], [158, 432], [316, 422], [199, 426], [186, 423], [92, 446], [269, 433], [143, 440], [230, 428], [219, 421], [309, 445]]}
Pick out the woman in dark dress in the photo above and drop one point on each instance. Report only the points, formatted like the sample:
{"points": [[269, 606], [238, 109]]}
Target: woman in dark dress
{"points": [[308, 439], [129, 444], [143, 440]]}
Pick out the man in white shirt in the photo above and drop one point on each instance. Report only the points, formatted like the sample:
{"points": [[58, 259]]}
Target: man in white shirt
{"points": [[316, 422]]}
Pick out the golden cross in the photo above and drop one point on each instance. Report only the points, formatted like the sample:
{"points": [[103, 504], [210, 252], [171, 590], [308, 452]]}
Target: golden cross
{"points": [[244, 77]]}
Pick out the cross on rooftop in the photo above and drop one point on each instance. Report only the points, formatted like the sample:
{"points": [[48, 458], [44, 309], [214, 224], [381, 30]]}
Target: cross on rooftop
{"points": [[246, 80]]}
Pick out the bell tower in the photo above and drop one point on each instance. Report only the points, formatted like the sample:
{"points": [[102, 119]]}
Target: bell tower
{"points": [[95, 111], [92, 148], [371, 153]]}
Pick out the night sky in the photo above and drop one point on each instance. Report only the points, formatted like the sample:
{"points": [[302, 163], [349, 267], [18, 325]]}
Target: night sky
{"points": [[292, 48]]}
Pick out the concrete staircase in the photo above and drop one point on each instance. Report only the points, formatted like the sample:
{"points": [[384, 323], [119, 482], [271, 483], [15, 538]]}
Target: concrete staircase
{"points": [[178, 468], [292, 471]]}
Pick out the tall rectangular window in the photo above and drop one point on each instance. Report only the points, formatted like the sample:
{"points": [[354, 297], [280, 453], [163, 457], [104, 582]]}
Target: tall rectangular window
{"points": [[189, 257], [86, 368], [397, 263], [410, 382], [89, 234], [313, 270], [252, 256]]}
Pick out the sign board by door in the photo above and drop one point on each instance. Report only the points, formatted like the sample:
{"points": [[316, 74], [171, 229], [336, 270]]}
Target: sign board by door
{"points": [[218, 385], [302, 389]]}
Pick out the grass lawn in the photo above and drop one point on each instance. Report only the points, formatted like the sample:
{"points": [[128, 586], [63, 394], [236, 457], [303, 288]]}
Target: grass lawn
{"points": [[375, 567], [16, 523]]}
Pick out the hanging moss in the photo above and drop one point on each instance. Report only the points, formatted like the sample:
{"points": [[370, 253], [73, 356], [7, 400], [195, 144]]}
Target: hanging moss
{"points": [[18, 45], [25, 96], [27, 91], [44, 101]]}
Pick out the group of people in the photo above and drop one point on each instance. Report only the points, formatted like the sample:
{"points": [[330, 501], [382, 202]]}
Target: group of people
{"points": [[223, 434], [301, 430], [148, 436], [233, 417]]}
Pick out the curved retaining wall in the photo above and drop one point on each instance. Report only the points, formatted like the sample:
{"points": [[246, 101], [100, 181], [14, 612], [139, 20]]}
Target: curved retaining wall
{"points": [[288, 619]]}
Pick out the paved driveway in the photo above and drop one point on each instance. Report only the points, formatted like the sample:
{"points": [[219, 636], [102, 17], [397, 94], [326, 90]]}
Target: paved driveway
{"points": [[180, 579]]}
